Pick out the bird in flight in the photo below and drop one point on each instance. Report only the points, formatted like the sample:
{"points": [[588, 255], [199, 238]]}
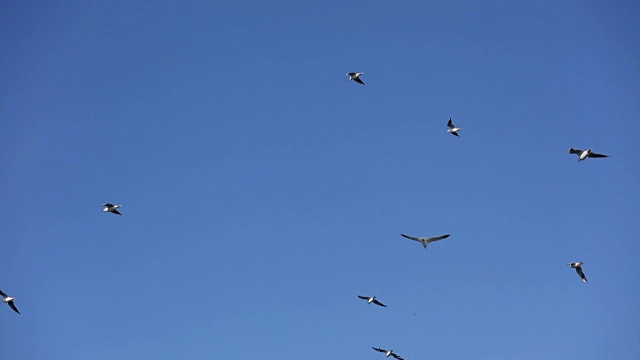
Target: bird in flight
{"points": [[372, 300], [452, 128], [355, 77], [426, 241], [578, 266], [583, 154], [9, 300], [108, 207], [388, 353]]}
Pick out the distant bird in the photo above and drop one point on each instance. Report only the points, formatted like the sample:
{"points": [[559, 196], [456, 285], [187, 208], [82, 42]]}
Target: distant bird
{"points": [[9, 300], [583, 154], [452, 128], [372, 300], [426, 241], [108, 207], [578, 266], [355, 77], [388, 353]]}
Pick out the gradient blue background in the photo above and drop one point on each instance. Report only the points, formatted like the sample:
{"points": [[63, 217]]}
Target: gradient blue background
{"points": [[263, 191]]}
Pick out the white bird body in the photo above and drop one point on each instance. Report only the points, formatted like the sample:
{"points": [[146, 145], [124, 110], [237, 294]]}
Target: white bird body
{"points": [[584, 154]]}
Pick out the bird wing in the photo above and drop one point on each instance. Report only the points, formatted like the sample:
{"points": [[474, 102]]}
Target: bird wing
{"points": [[12, 305], [378, 349], [357, 79], [3, 294], [108, 204], [379, 303], [594, 155], [397, 356], [412, 238], [351, 74], [582, 276], [455, 133], [575, 151], [115, 212], [364, 297], [436, 238], [450, 123]]}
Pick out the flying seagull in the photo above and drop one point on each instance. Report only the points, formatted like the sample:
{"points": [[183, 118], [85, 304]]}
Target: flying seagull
{"points": [[355, 77], [108, 207], [372, 300], [388, 353], [9, 300], [426, 241], [583, 154], [578, 266], [452, 128]]}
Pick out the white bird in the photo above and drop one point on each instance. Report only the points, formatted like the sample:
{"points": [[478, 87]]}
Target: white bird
{"points": [[452, 128], [108, 207], [426, 241], [388, 353], [372, 300], [578, 266], [9, 300], [583, 154], [355, 77]]}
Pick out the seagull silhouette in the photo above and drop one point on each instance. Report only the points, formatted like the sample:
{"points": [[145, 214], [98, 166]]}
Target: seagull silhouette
{"points": [[108, 207], [578, 266], [372, 300], [9, 300], [583, 154], [355, 77], [424, 240]]}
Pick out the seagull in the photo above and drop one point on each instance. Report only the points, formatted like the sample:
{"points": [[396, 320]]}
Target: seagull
{"points": [[372, 300], [578, 266], [583, 154], [355, 77], [426, 241], [9, 300], [452, 128], [108, 207], [388, 353]]}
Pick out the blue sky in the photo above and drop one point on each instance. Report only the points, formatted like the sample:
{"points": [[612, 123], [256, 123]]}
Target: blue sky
{"points": [[263, 191]]}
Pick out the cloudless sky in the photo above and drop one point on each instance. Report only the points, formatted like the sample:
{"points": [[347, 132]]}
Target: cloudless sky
{"points": [[263, 191]]}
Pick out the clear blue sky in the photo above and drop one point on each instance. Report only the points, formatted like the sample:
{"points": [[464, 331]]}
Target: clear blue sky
{"points": [[263, 191]]}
